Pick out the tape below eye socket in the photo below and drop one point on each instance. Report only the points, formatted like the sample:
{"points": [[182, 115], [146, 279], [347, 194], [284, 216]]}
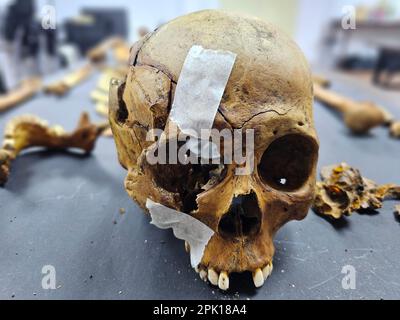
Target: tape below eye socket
{"points": [[184, 226]]}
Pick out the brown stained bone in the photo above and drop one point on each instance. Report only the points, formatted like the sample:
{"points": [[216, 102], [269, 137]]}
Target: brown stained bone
{"points": [[321, 80], [342, 191], [61, 87], [116, 44], [28, 131], [395, 129], [359, 117], [267, 91], [27, 89]]}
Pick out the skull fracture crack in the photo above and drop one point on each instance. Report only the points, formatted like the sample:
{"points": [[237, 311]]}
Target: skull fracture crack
{"points": [[269, 91]]}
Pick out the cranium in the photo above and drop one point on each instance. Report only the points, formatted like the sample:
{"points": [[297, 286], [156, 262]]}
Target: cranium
{"points": [[269, 91]]}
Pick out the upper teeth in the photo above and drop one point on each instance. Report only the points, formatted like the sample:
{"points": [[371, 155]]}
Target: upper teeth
{"points": [[267, 270], [222, 279], [258, 278], [213, 277]]}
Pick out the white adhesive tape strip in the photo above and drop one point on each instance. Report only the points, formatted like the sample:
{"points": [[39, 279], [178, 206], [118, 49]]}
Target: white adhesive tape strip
{"points": [[184, 226], [200, 87]]}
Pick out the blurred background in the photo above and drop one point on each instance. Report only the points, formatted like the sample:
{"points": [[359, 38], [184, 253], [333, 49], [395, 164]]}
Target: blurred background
{"points": [[42, 36]]}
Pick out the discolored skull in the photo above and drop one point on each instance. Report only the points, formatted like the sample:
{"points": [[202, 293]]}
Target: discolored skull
{"points": [[269, 91]]}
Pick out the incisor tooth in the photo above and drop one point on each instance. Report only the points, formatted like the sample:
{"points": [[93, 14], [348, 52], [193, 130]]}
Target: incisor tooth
{"points": [[213, 277], [223, 281], [267, 270], [187, 247], [258, 278], [203, 275]]}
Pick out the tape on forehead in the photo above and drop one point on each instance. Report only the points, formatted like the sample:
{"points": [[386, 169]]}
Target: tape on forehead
{"points": [[184, 226], [200, 87]]}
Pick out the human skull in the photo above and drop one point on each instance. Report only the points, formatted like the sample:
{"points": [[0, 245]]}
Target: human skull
{"points": [[270, 91]]}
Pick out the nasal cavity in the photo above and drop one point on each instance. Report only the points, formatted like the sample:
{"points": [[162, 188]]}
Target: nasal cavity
{"points": [[243, 218]]}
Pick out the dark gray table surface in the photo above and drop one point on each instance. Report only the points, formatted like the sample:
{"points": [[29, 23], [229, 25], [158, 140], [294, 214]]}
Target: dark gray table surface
{"points": [[62, 210]]}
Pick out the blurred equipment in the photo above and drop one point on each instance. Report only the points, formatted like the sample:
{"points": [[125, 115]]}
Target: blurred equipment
{"points": [[19, 15], [95, 25], [3, 88], [29, 49], [373, 46], [388, 64], [359, 117], [69, 54], [61, 87], [28, 131], [27, 89]]}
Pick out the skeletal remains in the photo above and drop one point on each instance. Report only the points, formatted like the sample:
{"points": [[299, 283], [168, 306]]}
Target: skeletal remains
{"points": [[27, 89], [359, 117], [62, 86], [29, 131], [395, 129], [343, 191], [269, 90]]}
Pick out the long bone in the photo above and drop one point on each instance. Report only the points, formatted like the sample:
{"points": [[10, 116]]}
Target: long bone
{"points": [[359, 117], [27, 89], [65, 84]]}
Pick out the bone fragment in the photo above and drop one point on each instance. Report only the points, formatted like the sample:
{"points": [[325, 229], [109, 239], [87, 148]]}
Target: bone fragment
{"points": [[27, 89], [342, 191], [118, 46], [395, 129], [321, 80], [28, 131], [62, 86]]}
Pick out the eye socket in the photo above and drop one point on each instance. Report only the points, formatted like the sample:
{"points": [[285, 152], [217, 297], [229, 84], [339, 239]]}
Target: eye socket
{"points": [[187, 180], [288, 161]]}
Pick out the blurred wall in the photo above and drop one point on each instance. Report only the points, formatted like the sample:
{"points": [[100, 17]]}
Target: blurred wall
{"points": [[150, 13], [314, 17], [282, 13]]}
